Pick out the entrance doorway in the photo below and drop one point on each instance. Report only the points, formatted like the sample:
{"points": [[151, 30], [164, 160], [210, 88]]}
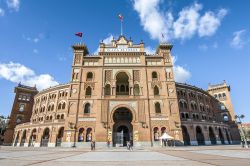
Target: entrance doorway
{"points": [[212, 136], [122, 136], [122, 129], [200, 136], [185, 134]]}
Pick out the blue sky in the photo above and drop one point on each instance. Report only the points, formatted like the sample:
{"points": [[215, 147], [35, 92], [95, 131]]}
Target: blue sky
{"points": [[211, 40]]}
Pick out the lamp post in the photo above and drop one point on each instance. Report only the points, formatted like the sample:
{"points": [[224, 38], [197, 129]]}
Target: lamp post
{"points": [[239, 117]]}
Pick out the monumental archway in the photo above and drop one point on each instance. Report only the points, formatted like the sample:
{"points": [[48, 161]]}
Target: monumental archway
{"points": [[122, 128]]}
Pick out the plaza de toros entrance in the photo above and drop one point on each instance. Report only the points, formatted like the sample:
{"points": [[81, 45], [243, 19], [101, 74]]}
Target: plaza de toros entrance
{"points": [[122, 128]]}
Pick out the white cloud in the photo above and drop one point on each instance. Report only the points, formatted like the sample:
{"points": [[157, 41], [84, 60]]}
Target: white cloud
{"points": [[13, 4], [209, 23], [107, 40], [149, 50], [180, 73], [237, 41], [2, 12], [16, 72], [188, 23], [152, 20]]}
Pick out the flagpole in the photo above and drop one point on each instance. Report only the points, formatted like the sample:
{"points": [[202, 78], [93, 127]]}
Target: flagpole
{"points": [[121, 27]]}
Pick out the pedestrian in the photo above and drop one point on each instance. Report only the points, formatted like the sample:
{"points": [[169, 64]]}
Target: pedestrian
{"points": [[108, 143], [92, 145], [130, 145], [242, 143]]}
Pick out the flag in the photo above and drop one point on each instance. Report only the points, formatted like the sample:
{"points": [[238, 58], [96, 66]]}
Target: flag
{"points": [[79, 34], [120, 17]]}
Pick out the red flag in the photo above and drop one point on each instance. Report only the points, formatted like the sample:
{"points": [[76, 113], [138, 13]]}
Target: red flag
{"points": [[79, 34], [120, 17]]}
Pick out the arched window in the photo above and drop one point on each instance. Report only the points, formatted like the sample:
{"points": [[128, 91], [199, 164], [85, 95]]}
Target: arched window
{"points": [[81, 135], [89, 135], [49, 108], [122, 84], [185, 105], [154, 75], [181, 104], [58, 117], [88, 91], [50, 118], [87, 108], [156, 134], [195, 106], [89, 76], [107, 90], [157, 108], [62, 116], [182, 115], [52, 107], [136, 90], [197, 116], [59, 106], [156, 90], [63, 105], [192, 106], [19, 119]]}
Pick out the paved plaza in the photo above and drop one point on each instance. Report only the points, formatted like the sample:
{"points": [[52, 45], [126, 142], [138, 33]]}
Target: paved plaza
{"points": [[203, 155]]}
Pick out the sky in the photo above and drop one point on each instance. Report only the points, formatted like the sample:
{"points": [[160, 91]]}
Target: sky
{"points": [[210, 40]]}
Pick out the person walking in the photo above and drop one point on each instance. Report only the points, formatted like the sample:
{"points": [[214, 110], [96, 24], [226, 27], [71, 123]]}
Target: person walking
{"points": [[130, 145], [242, 143], [108, 143], [92, 145]]}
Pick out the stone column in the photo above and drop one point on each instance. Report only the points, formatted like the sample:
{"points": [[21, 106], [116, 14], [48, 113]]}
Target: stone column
{"points": [[52, 138], [38, 137], [206, 135], [192, 135], [26, 144]]}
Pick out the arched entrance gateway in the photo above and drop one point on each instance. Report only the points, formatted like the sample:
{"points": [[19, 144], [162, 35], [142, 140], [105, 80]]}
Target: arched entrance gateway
{"points": [[212, 136], [122, 128], [45, 137], [185, 134], [200, 136], [32, 139]]}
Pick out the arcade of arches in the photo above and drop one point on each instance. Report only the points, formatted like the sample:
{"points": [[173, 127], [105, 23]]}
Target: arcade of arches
{"points": [[203, 135]]}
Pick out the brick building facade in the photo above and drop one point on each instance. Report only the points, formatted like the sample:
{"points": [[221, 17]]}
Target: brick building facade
{"points": [[124, 94]]}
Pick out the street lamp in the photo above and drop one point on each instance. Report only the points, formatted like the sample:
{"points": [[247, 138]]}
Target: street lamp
{"points": [[239, 117]]}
